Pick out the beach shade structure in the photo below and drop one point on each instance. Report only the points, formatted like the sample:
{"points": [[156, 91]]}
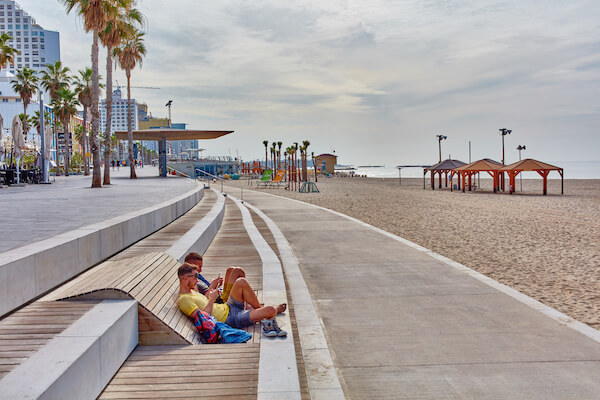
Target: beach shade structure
{"points": [[529, 164], [444, 168], [163, 134], [467, 171]]}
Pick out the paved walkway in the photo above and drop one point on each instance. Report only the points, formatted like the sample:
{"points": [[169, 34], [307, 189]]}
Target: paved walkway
{"points": [[402, 324], [36, 212]]}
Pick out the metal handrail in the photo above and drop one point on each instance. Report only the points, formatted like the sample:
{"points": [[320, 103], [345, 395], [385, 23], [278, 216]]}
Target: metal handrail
{"points": [[221, 179]]}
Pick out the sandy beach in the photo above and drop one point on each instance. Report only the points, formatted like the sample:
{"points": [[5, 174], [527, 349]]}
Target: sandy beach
{"points": [[543, 246]]}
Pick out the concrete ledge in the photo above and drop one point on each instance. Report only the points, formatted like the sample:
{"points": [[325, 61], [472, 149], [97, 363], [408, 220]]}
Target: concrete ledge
{"points": [[202, 233], [277, 368], [55, 260], [323, 382], [78, 363]]}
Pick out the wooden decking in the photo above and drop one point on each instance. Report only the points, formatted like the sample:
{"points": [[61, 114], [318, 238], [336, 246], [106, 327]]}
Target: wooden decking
{"points": [[220, 371], [206, 371], [27, 330]]}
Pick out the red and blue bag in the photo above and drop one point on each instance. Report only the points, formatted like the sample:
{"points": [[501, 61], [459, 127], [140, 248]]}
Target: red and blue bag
{"points": [[207, 327]]}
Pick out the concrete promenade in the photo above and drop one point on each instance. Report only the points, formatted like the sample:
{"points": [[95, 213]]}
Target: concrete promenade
{"points": [[36, 212], [403, 323]]}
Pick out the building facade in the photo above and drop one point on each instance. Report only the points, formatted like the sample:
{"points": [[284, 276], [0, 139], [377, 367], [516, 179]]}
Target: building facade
{"points": [[36, 45], [119, 113]]}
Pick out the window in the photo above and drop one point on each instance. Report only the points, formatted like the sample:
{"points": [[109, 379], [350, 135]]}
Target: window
{"points": [[9, 20], [10, 27], [34, 46], [1, 19], [1, 26], [26, 40], [5, 100], [25, 26], [43, 59], [34, 39], [34, 33], [26, 59], [26, 46], [18, 27], [36, 65], [42, 33]]}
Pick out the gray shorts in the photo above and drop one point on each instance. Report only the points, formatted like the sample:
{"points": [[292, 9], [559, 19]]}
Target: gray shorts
{"points": [[238, 317]]}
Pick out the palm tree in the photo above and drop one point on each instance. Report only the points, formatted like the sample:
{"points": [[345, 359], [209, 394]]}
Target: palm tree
{"points": [[129, 54], [83, 89], [94, 14], [54, 78], [273, 148], [266, 143], [26, 85], [119, 27], [7, 52], [305, 144], [279, 144], [65, 107]]}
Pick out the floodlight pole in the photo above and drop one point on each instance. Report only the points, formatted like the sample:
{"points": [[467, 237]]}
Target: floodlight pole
{"points": [[503, 132], [520, 147], [440, 138], [169, 103]]}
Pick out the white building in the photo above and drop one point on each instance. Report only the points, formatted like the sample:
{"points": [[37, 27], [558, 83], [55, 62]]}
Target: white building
{"points": [[37, 46], [119, 113]]}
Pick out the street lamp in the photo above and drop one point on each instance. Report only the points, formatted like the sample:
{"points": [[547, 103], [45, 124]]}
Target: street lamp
{"points": [[520, 147], [440, 138], [169, 105], [504, 132]]}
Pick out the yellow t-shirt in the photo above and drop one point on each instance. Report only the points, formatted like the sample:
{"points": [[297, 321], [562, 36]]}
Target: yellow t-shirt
{"points": [[189, 302]]}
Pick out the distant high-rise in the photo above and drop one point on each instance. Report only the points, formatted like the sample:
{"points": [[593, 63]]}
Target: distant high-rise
{"points": [[119, 113], [36, 45]]}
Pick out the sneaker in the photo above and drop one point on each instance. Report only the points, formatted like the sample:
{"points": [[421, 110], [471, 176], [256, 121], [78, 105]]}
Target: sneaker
{"points": [[280, 332], [269, 327]]}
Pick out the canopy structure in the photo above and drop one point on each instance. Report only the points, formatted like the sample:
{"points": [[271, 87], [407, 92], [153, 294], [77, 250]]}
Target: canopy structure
{"points": [[163, 134], [529, 164], [485, 165], [443, 167]]}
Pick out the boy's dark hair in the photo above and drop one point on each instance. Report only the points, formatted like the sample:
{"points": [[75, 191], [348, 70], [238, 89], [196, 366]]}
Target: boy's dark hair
{"points": [[193, 256]]}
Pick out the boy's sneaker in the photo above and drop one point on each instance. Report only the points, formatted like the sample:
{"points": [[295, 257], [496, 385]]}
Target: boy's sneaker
{"points": [[269, 327], [280, 332]]}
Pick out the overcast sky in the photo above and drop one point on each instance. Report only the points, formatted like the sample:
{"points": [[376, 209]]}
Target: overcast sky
{"points": [[375, 80]]}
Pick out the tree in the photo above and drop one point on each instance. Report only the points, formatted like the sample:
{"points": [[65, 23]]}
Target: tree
{"points": [[119, 27], [129, 54], [7, 52], [304, 152], [273, 158], [65, 107], [94, 14], [279, 144], [26, 85], [83, 89], [266, 143], [54, 78]]}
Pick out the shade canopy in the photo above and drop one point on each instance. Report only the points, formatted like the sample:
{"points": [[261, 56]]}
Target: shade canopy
{"points": [[445, 165], [529, 164], [485, 164], [171, 134]]}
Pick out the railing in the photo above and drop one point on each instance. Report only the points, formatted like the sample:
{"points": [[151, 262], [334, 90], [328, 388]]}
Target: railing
{"points": [[198, 170]]}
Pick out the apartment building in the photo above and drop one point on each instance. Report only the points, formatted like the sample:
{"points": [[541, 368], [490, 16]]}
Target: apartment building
{"points": [[36, 45]]}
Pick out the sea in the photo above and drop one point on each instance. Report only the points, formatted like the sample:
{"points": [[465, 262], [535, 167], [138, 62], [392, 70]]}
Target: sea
{"points": [[572, 170]]}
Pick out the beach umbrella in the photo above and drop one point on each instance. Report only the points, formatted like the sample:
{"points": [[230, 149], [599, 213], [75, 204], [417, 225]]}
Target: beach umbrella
{"points": [[17, 135]]}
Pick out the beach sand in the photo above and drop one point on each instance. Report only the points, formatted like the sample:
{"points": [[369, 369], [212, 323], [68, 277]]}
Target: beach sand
{"points": [[546, 247]]}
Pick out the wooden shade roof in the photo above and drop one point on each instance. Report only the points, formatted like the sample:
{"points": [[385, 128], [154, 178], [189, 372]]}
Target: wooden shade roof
{"points": [[446, 165], [529, 164], [485, 164], [171, 134]]}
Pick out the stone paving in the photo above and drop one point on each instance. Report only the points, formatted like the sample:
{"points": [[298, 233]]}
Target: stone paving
{"points": [[36, 212]]}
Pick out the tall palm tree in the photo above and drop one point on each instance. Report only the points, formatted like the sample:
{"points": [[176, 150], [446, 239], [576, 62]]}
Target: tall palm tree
{"points": [[26, 85], [266, 143], [279, 144], [65, 107], [273, 147], [54, 78], [7, 52], [129, 54], [120, 25], [83, 89], [94, 14], [305, 144]]}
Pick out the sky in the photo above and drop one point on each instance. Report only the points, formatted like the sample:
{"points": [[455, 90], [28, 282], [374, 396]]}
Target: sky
{"points": [[373, 80]]}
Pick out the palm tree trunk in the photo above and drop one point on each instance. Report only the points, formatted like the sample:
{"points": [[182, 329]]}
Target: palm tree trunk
{"points": [[132, 174], [108, 127], [65, 123], [96, 178], [86, 162]]}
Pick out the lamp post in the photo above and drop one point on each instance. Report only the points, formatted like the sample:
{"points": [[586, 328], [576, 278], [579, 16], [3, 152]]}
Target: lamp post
{"points": [[521, 147], [503, 132], [169, 105], [440, 138]]}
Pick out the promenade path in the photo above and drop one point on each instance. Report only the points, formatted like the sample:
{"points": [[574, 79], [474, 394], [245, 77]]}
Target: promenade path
{"points": [[403, 324], [37, 212]]}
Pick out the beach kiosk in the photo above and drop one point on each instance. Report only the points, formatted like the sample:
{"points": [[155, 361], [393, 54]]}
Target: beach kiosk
{"points": [[325, 163], [161, 135]]}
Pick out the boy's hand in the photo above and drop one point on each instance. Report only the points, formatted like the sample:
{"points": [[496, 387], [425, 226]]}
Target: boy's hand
{"points": [[213, 294]]}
